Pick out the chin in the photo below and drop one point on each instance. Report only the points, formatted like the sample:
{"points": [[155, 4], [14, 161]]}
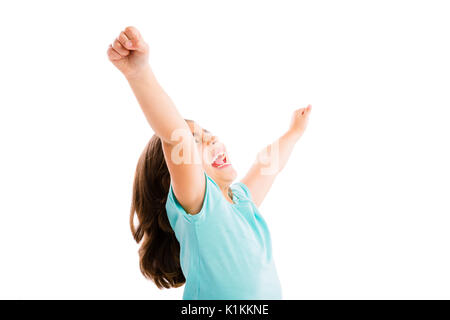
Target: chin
{"points": [[232, 174], [226, 174]]}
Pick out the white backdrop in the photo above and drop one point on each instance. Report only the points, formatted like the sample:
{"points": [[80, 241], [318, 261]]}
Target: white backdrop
{"points": [[360, 211]]}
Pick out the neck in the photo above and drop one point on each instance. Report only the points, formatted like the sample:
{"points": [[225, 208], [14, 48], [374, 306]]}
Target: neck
{"points": [[226, 191]]}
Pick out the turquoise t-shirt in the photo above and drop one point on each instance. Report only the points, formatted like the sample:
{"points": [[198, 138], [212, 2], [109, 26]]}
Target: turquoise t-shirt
{"points": [[225, 249]]}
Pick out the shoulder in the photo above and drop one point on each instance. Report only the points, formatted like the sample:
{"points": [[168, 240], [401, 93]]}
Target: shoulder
{"points": [[241, 190], [175, 210]]}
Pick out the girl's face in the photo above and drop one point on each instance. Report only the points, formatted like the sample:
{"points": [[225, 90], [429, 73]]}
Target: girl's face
{"points": [[215, 159]]}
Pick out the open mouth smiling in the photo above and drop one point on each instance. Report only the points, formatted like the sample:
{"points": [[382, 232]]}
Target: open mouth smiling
{"points": [[220, 160]]}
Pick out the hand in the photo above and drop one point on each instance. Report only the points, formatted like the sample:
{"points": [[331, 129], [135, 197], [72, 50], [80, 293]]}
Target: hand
{"points": [[129, 52], [299, 121]]}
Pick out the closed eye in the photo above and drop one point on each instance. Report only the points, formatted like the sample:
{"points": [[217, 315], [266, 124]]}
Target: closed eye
{"points": [[196, 138]]}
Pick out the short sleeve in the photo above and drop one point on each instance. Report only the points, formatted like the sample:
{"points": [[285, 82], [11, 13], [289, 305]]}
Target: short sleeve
{"points": [[175, 210], [243, 189]]}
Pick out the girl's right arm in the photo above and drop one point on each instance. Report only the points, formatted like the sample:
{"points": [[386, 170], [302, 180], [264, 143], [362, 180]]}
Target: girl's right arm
{"points": [[129, 53]]}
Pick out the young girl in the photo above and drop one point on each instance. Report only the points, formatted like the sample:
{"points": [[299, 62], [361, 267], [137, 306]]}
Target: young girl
{"points": [[197, 227]]}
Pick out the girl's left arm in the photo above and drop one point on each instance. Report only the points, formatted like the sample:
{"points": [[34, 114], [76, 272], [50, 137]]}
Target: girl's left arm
{"points": [[273, 158]]}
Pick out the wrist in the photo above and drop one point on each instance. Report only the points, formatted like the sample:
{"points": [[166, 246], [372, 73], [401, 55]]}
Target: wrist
{"points": [[293, 135], [143, 72]]}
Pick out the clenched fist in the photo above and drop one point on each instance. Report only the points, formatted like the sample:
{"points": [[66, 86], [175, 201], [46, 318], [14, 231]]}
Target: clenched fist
{"points": [[129, 52]]}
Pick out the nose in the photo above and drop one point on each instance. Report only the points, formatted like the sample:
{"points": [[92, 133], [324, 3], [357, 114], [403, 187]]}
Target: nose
{"points": [[211, 140]]}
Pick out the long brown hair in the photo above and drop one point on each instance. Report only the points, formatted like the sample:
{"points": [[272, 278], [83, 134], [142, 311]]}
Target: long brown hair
{"points": [[159, 253]]}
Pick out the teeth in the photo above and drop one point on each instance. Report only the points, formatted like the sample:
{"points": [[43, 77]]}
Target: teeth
{"points": [[222, 165], [217, 156]]}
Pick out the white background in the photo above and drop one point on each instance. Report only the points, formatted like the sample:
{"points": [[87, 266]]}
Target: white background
{"points": [[362, 209]]}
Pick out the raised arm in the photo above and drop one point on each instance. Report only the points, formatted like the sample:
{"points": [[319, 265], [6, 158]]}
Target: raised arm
{"points": [[129, 53], [273, 158]]}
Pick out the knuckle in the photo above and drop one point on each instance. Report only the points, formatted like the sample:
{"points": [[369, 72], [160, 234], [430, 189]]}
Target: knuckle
{"points": [[132, 30], [118, 46], [113, 52], [122, 37]]}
